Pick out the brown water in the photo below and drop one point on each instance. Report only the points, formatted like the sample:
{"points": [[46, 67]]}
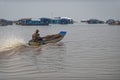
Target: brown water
{"points": [[87, 52]]}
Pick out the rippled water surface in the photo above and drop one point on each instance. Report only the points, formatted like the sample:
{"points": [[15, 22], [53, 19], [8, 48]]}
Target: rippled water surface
{"points": [[87, 52]]}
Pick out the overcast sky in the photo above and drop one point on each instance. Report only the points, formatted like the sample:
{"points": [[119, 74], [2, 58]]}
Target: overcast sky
{"points": [[76, 9]]}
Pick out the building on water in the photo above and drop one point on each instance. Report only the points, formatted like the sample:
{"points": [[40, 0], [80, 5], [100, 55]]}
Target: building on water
{"points": [[58, 20], [30, 21], [4, 22]]}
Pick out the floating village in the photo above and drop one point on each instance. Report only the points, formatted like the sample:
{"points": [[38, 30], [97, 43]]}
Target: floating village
{"points": [[37, 22], [96, 21], [56, 20]]}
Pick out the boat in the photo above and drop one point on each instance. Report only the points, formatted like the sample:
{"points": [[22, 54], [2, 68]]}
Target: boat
{"points": [[54, 38], [31, 22], [93, 21]]}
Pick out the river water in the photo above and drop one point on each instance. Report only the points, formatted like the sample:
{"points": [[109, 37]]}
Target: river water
{"points": [[87, 52]]}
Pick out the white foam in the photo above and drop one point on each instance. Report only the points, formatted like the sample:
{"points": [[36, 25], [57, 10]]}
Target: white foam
{"points": [[11, 43]]}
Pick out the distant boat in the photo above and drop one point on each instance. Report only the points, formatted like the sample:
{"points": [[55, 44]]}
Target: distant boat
{"points": [[93, 21], [113, 22]]}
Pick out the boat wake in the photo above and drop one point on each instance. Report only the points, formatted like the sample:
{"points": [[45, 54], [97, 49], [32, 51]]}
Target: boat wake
{"points": [[11, 44]]}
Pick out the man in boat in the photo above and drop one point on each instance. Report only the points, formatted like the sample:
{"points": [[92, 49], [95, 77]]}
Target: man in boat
{"points": [[36, 36]]}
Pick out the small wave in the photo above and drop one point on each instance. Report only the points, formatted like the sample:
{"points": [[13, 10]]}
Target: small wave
{"points": [[11, 43]]}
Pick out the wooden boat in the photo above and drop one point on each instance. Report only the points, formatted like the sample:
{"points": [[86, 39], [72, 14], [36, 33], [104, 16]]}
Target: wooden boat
{"points": [[49, 39]]}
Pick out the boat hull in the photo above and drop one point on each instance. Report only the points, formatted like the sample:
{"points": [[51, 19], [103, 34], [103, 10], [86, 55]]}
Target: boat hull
{"points": [[48, 39]]}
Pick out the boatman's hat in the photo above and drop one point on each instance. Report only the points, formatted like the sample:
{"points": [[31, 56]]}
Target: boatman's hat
{"points": [[37, 30]]}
